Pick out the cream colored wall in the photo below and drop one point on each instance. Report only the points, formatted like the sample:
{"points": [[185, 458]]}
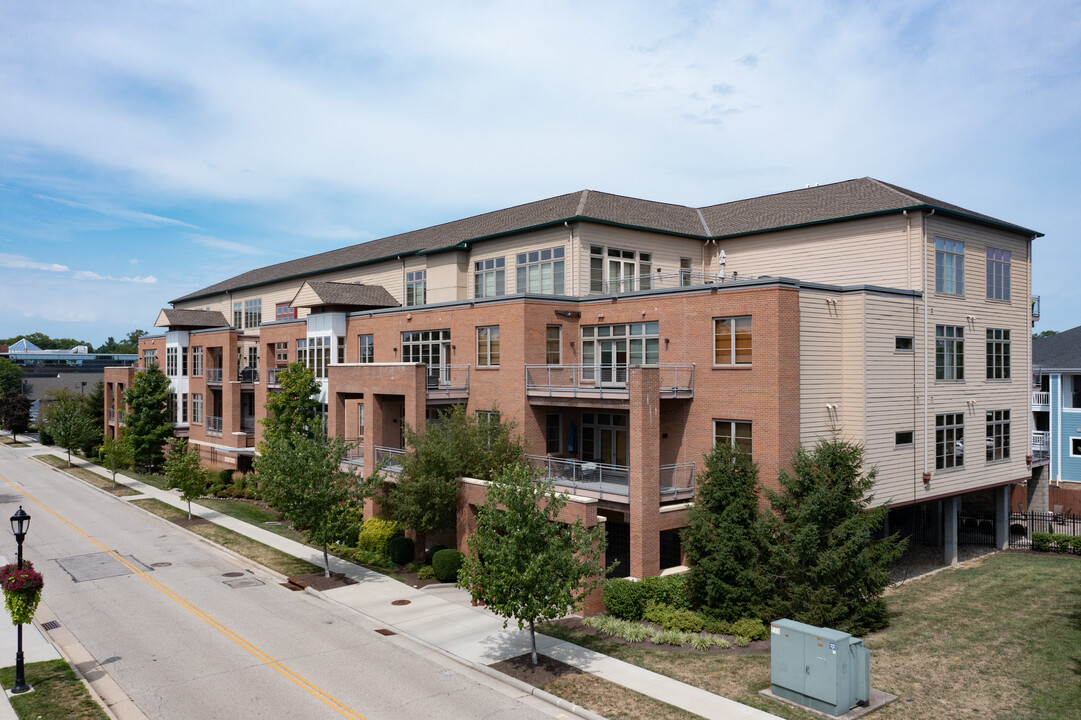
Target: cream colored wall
{"points": [[446, 276], [667, 250], [509, 247], [821, 377]]}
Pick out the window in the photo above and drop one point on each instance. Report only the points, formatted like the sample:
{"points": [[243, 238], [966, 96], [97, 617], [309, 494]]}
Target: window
{"points": [[541, 271], [902, 344], [281, 353], [150, 357], [316, 354], [552, 433], [171, 407], [284, 311], [553, 345], [170, 361], [238, 314], [360, 421], [253, 313], [1075, 447], [608, 350], [605, 438], [733, 432], [302, 351], [949, 352], [197, 408], [183, 407], [998, 435], [197, 361], [998, 354], [624, 275], [253, 356], [903, 437], [949, 441], [488, 346], [416, 287], [949, 266], [183, 360], [367, 348], [488, 420], [596, 269], [998, 274], [490, 277], [732, 341], [684, 272], [341, 349]]}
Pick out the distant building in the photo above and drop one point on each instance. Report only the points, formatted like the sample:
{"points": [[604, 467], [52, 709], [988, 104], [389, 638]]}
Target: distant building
{"points": [[76, 369], [1056, 405]]}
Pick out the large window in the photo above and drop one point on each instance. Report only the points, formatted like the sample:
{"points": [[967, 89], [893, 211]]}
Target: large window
{"points": [[608, 350], [488, 346], [949, 266], [253, 313], [605, 438], [150, 357], [732, 341], [553, 345], [253, 356], [170, 361], [197, 408], [998, 435], [281, 353], [998, 274], [614, 270], [541, 271], [367, 348], [197, 361], [552, 433], [998, 354], [490, 277], [736, 433], [314, 352], [284, 311], [949, 441], [949, 352], [238, 314], [416, 287], [431, 347]]}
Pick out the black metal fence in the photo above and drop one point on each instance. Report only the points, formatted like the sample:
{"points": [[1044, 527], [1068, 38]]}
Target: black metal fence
{"points": [[1022, 525], [975, 530]]}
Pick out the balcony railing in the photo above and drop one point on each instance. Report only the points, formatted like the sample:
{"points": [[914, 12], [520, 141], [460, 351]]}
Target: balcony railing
{"points": [[247, 424], [390, 458], [1041, 446], [660, 281], [583, 478], [272, 376], [1041, 400], [448, 381], [213, 375], [598, 381], [248, 375], [354, 454], [112, 416], [1035, 307], [677, 481], [213, 425]]}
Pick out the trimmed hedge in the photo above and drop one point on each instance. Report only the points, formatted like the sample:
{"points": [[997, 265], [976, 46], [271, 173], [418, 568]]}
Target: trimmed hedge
{"points": [[446, 564], [1054, 542], [430, 552], [624, 599], [400, 549]]}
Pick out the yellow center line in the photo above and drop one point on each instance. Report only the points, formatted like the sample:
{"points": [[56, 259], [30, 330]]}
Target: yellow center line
{"points": [[262, 656]]}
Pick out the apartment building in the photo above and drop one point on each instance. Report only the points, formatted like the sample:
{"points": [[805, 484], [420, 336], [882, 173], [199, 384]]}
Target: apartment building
{"points": [[625, 337]]}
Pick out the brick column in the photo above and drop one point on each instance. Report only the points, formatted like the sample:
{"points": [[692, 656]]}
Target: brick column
{"points": [[335, 414], [644, 456]]}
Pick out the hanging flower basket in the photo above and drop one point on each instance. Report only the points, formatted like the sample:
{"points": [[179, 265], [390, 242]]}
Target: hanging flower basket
{"points": [[22, 591]]}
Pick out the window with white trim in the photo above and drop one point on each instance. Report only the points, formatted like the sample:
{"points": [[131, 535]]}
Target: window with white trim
{"points": [[736, 433], [540, 271], [998, 274], [197, 361], [281, 353], [197, 408], [949, 441], [488, 346], [284, 311], [253, 313], [416, 284], [949, 266], [1075, 447], [998, 435], [238, 315], [170, 361], [553, 335], [732, 340], [949, 352], [367, 348], [490, 277], [150, 357], [998, 354], [903, 437]]}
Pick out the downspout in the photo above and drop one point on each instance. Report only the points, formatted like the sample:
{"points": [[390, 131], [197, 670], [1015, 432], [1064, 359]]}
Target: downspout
{"points": [[926, 340]]}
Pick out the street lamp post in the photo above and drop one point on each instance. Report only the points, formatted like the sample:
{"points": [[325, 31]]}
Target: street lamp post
{"points": [[20, 525]]}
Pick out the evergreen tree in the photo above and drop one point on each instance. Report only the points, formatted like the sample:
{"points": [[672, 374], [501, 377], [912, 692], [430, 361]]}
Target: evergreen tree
{"points": [[523, 562], [68, 422], [94, 404], [184, 470], [14, 413], [830, 569], [147, 421], [291, 409], [725, 539]]}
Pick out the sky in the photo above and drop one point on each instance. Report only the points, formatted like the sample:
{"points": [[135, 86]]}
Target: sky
{"points": [[149, 149]]}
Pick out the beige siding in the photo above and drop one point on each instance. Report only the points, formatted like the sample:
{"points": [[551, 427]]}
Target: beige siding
{"points": [[667, 250], [820, 363], [508, 248], [446, 276]]}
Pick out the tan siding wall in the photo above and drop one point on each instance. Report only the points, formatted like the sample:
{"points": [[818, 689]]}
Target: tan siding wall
{"points": [[508, 247], [446, 276], [666, 249], [820, 363]]}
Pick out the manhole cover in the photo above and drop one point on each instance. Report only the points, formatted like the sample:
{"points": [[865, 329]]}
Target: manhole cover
{"points": [[50, 625], [401, 602], [243, 583], [232, 574], [161, 564], [384, 631]]}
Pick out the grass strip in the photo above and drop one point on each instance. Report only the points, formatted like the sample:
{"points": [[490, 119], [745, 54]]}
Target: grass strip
{"points": [[613, 701], [58, 693], [159, 481], [98, 481], [12, 443], [254, 514], [258, 552], [53, 460]]}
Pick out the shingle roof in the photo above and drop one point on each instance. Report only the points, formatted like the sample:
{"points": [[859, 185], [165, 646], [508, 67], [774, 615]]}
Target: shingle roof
{"points": [[351, 294], [191, 318], [826, 203], [1062, 350]]}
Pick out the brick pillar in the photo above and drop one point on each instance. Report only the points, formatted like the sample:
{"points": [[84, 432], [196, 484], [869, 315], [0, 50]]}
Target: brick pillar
{"points": [[335, 414], [374, 417], [950, 506], [644, 440], [416, 401]]}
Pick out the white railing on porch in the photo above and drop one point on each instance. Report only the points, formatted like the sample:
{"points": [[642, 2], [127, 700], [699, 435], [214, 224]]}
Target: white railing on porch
{"points": [[1041, 399]]}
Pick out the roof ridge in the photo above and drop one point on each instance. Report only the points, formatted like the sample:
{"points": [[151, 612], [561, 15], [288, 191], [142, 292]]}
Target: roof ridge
{"points": [[895, 189], [582, 203], [709, 233]]}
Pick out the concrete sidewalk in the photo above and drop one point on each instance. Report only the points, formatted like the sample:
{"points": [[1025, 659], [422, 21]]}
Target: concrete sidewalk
{"points": [[442, 617]]}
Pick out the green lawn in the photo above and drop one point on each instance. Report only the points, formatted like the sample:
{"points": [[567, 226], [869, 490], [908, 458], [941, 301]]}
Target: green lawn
{"points": [[58, 693], [997, 638], [254, 514]]}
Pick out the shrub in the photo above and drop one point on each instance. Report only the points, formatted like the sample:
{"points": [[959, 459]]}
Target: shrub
{"points": [[430, 552], [672, 637], [669, 590], [741, 641], [671, 618], [446, 564], [427, 572], [362, 557], [400, 549], [375, 534], [715, 625], [226, 476], [624, 599], [1041, 542], [1074, 542], [751, 628]]}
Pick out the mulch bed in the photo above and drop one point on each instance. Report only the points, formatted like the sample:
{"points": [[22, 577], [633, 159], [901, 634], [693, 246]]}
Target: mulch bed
{"points": [[539, 675], [318, 581], [758, 647]]}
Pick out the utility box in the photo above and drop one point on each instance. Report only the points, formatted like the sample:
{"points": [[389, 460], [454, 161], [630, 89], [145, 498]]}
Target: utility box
{"points": [[825, 670]]}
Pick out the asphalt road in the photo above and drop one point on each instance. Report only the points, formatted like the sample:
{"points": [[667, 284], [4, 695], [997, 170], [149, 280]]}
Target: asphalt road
{"points": [[155, 606]]}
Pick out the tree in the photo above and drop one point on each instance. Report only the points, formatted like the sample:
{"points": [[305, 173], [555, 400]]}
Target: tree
{"points": [[11, 376], [128, 345], [184, 470], [830, 570], [523, 562], [45, 342], [147, 421], [301, 476], [68, 422], [94, 404], [725, 540], [14, 412], [425, 498], [1044, 333], [293, 408], [117, 454]]}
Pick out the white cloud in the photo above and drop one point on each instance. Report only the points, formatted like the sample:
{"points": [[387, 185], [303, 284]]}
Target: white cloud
{"points": [[121, 213], [90, 275], [19, 262], [227, 245]]}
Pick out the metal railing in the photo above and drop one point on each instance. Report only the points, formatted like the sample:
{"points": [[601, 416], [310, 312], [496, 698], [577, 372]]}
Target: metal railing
{"points": [[660, 281], [596, 380], [390, 458], [213, 375], [354, 454], [1022, 525], [1040, 398], [111, 413], [448, 380], [272, 376], [578, 476], [213, 425], [247, 424], [1035, 307], [677, 481], [1041, 445], [248, 375]]}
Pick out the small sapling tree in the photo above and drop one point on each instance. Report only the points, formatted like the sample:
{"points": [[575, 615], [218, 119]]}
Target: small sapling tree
{"points": [[184, 470], [116, 454]]}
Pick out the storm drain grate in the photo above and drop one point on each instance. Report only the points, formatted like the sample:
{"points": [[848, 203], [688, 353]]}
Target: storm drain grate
{"points": [[232, 574], [161, 564], [384, 631], [401, 602], [50, 625], [291, 586]]}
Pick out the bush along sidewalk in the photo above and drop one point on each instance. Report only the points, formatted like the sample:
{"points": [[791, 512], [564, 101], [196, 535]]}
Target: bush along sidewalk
{"points": [[22, 591]]}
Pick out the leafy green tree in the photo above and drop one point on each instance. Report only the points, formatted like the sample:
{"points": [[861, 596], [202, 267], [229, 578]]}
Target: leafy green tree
{"points": [[425, 498], [45, 342], [301, 476], [147, 420], [14, 413], [523, 562], [68, 422], [725, 540], [1044, 333], [94, 402], [128, 345], [11, 376], [116, 454], [184, 470], [830, 569], [292, 408]]}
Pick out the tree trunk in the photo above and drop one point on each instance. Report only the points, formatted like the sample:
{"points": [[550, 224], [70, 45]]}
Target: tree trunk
{"points": [[189, 509], [533, 641], [69, 457], [326, 561]]}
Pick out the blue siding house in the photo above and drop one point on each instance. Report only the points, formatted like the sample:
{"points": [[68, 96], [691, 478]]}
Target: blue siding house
{"points": [[1056, 404]]}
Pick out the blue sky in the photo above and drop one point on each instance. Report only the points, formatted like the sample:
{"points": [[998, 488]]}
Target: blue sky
{"points": [[150, 149]]}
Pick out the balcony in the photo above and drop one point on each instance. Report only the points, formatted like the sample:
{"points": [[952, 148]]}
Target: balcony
{"points": [[354, 454], [390, 459], [677, 481], [1041, 401], [602, 381], [591, 479], [213, 425], [1035, 307], [1041, 446], [213, 376], [248, 375], [662, 281], [448, 381], [272, 377], [111, 414]]}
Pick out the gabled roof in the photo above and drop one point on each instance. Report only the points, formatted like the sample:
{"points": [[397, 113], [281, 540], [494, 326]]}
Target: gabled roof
{"points": [[318, 293], [190, 319], [1061, 351], [819, 204]]}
